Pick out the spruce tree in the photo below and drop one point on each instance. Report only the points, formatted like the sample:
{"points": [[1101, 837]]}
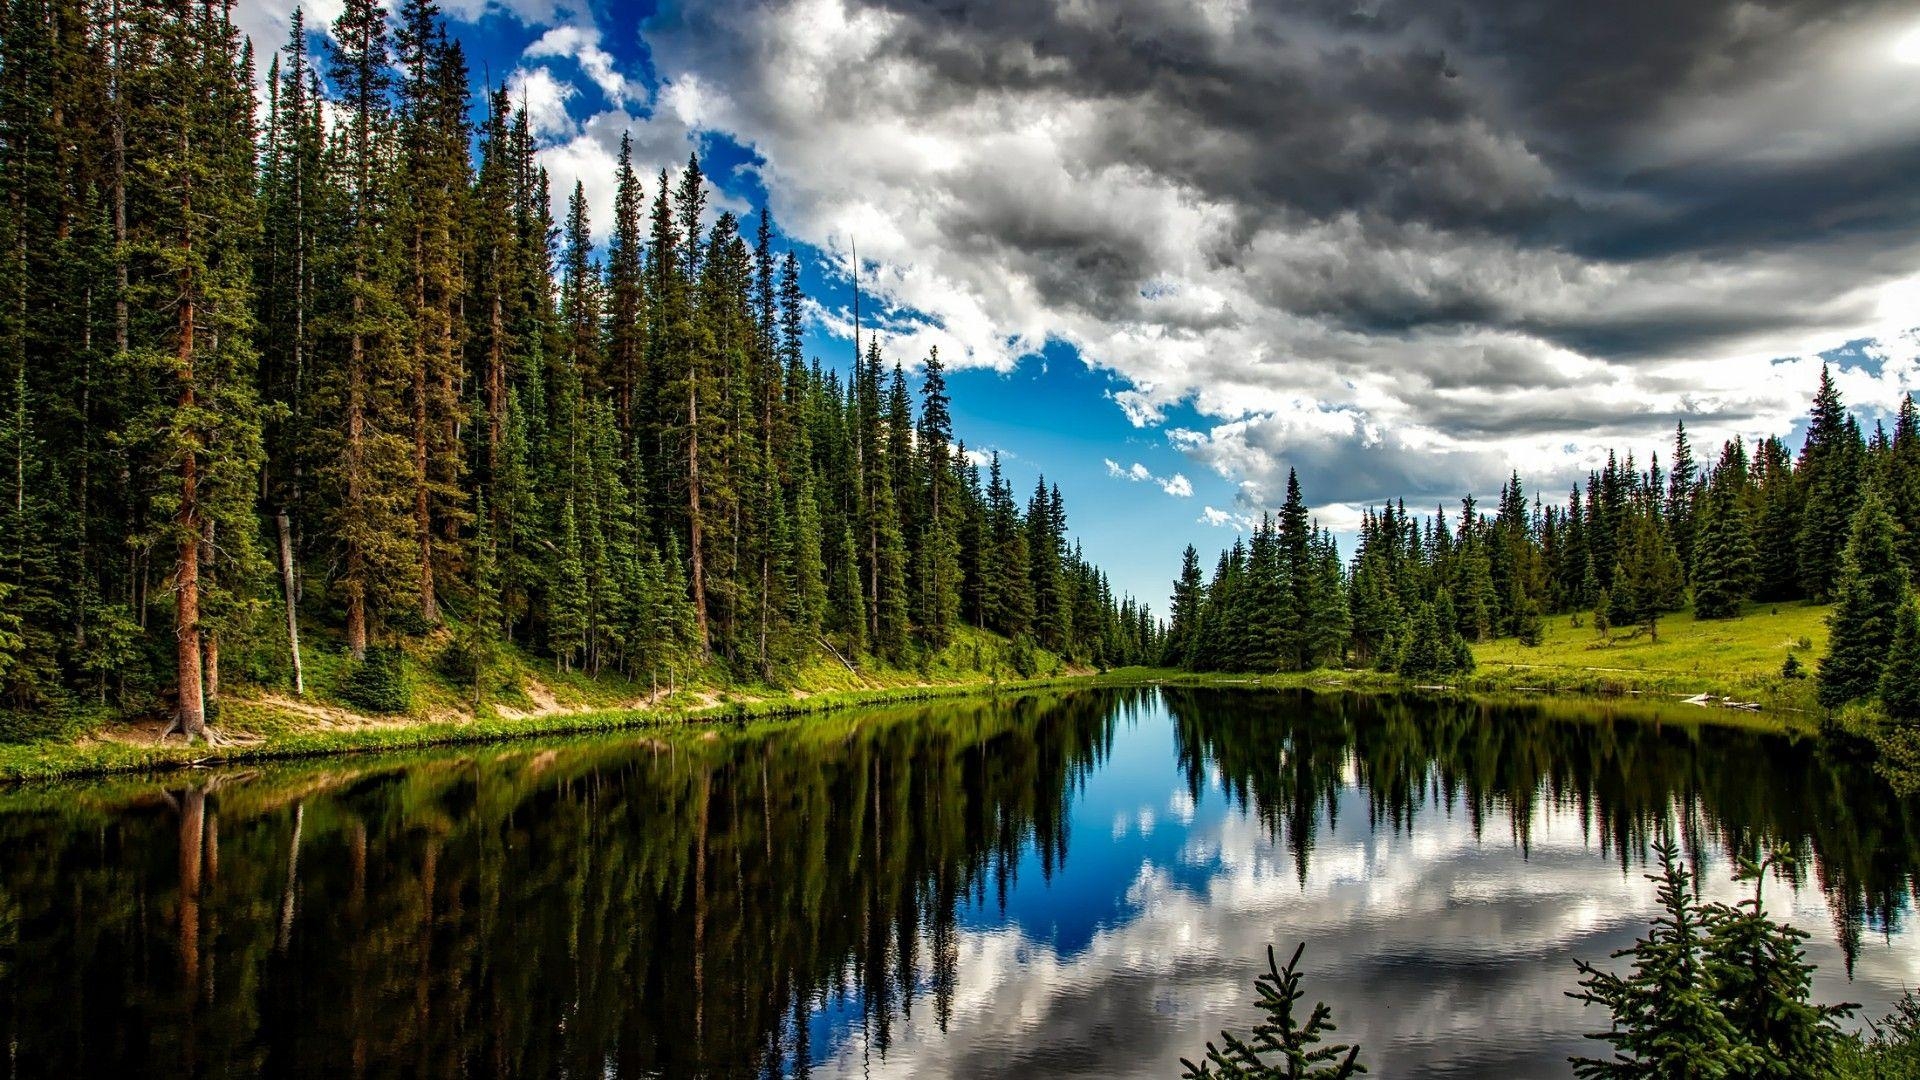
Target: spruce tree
{"points": [[1900, 480], [1830, 476], [1900, 679], [1280, 1046], [937, 554], [1647, 581], [1328, 617], [1682, 506], [1871, 588], [1723, 575], [369, 471], [1715, 990], [1189, 593], [1666, 1021]]}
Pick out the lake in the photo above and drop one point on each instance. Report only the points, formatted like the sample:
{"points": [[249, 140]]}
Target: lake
{"points": [[1052, 884]]}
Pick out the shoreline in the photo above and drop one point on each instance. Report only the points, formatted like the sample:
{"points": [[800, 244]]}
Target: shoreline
{"points": [[90, 756]]}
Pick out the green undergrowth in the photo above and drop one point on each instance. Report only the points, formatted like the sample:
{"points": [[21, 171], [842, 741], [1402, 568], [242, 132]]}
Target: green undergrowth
{"points": [[408, 696], [421, 697]]}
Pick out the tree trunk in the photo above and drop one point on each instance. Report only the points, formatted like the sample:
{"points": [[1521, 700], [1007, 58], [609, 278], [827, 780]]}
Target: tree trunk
{"points": [[291, 580], [356, 569], [192, 712], [422, 509], [496, 391], [210, 661], [696, 540], [285, 535], [209, 636]]}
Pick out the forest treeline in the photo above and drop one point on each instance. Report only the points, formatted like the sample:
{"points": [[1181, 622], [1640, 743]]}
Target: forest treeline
{"points": [[1838, 523], [320, 359]]}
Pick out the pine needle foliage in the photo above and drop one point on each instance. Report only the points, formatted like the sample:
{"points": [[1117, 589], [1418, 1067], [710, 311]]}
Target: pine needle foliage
{"points": [[1280, 1047], [1714, 992]]}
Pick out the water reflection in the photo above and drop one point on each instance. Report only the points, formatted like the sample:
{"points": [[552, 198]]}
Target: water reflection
{"points": [[1042, 885]]}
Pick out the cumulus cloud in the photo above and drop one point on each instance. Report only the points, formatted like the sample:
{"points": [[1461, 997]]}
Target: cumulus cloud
{"points": [[581, 44], [544, 97], [1404, 248], [1176, 485]]}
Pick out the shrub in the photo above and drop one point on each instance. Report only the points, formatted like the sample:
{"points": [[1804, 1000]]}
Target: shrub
{"points": [[1022, 657], [379, 683], [1532, 630], [462, 661]]}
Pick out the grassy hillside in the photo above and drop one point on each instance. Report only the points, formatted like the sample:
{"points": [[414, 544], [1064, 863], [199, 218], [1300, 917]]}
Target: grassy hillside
{"points": [[1741, 656], [517, 695]]}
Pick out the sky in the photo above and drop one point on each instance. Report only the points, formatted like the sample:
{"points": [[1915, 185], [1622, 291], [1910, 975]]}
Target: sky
{"points": [[1172, 249]]}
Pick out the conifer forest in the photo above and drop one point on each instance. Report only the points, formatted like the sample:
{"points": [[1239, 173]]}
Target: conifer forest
{"points": [[1836, 523], [330, 367]]}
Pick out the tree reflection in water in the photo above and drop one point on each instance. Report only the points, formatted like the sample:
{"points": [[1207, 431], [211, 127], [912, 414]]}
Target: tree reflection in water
{"points": [[750, 901]]}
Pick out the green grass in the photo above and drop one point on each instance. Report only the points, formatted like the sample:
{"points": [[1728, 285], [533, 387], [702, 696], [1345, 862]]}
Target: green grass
{"points": [[526, 697], [1739, 657]]}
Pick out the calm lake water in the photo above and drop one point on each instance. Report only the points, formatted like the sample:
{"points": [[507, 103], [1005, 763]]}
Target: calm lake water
{"points": [[1038, 886]]}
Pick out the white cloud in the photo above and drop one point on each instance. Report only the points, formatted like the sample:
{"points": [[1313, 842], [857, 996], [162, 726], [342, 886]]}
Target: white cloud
{"points": [[1176, 485], [581, 44], [545, 99]]}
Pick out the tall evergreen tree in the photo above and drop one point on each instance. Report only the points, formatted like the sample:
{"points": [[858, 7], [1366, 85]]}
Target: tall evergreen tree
{"points": [[1900, 678], [1723, 575], [1830, 471], [1871, 588]]}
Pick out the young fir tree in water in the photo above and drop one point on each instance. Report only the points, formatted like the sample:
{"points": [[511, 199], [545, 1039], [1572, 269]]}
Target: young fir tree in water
{"points": [[1715, 992], [1281, 1046]]}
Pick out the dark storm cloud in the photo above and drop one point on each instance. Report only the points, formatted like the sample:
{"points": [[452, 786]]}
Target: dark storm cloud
{"points": [[1404, 246], [1523, 122]]}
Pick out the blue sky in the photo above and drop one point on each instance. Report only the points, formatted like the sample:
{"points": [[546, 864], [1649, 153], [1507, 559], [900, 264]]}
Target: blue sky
{"points": [[1172, 250]]}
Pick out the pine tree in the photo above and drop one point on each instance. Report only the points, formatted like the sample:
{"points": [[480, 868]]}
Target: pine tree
{"points": [[1830, 470], [1329, 620], [1715, 990], [1900, 678], [1765, 986], [1900, 481], [1777, 523], [1280, 1046], [1871, 588], [211, 425], [938, 573], [432, 185], [1723, 575], [1189, 594], [368, 471], [1647, 579], [625, 293], [1680, 514], [809, 597], [1666, 1022]]}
